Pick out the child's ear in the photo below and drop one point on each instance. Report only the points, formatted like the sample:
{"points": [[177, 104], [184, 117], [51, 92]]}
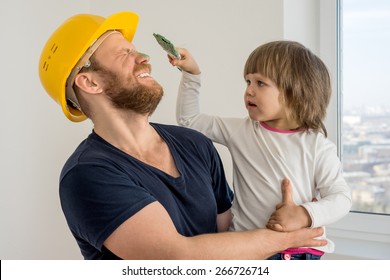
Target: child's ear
{"points": [[88, 83]]}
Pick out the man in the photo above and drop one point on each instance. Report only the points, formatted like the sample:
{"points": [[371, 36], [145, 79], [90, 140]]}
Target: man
{"points": [[134, 189]]}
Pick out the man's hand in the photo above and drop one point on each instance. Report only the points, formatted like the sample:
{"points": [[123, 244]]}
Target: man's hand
{"points": [[288, 216]]}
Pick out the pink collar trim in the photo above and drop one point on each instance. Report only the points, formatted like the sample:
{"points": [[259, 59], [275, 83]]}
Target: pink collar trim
{"points": [[267, 127]]}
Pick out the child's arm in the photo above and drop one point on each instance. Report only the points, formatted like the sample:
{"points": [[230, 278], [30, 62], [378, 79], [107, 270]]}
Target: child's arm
{"points": [[288, 216], [335, 195], [188, 112]]}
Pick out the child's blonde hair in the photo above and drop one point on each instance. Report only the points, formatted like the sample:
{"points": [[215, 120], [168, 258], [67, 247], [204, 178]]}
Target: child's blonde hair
{"points": [[301, 77]]}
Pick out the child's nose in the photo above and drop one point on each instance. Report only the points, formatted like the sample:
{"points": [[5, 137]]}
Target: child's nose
{"points": [[249, 91]]}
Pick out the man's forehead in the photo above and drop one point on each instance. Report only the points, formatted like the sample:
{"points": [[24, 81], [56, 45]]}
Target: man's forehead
{"points": [[114, 43]]}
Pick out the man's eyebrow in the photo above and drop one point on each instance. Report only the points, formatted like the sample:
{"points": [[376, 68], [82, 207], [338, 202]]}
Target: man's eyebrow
{"points": [[125, 50]]}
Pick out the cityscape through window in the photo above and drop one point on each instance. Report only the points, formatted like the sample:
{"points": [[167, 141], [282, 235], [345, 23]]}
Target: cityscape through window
{"points": [[365, 74]]}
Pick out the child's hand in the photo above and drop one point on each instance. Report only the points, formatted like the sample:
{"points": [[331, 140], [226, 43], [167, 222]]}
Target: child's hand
{"points": [[186, 63], [288, 216]]}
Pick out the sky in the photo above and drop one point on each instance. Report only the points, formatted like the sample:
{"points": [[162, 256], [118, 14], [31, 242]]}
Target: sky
{"points": [[366, 53]]}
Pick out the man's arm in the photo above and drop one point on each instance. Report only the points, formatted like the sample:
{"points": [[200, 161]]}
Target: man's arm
{"points": [[150, 234]]}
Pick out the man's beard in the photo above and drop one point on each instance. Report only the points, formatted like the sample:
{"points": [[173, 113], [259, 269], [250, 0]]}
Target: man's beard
{"points": [[130, 94]]}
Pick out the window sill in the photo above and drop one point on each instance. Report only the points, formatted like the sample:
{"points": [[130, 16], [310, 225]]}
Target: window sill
{"points": [[361, 236]]}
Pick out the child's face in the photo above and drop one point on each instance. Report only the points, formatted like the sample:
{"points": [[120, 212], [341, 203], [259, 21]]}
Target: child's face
{"points": [[263, 101]]}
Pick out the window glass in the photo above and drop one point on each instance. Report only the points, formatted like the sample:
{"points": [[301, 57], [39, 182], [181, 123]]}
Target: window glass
{"points": [[365, 33]]}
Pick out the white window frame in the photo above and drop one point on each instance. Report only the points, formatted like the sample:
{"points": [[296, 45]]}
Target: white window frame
{"points": [[358, 235]]}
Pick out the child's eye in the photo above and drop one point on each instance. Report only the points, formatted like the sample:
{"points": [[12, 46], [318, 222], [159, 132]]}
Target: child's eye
{"points": [[248, 82], [260, 83]]}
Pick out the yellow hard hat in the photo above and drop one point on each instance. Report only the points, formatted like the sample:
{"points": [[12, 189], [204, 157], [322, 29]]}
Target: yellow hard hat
{"points": [[68, 44]]}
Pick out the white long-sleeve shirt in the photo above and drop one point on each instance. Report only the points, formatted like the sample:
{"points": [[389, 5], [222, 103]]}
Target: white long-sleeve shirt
{"points": [[263, 156]]}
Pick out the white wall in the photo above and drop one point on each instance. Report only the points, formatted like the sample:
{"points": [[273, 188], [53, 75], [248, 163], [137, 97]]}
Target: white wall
{"points": [[36, 138]]}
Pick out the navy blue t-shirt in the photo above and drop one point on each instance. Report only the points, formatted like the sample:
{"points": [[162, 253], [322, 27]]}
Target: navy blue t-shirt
{"points": [[101, 187]]}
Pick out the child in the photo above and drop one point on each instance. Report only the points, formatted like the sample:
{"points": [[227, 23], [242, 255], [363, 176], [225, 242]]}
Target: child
{"points": [[288, 91]]}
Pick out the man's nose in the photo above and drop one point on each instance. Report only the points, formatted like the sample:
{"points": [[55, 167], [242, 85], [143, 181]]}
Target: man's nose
{"points": [[142, 58]]}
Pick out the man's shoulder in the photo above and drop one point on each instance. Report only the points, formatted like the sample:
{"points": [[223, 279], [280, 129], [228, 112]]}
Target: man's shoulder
{"points": [[91, 152]]}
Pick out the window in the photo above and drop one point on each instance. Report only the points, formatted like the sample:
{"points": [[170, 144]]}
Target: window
{"points": [[365, 37], [350, 45]]}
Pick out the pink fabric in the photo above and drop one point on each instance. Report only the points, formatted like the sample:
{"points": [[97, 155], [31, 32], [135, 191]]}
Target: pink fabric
{"points": [[263, 124], [303, 250]]}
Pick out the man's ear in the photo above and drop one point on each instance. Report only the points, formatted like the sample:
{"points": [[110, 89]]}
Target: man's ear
{"points": [[88, 83]]}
